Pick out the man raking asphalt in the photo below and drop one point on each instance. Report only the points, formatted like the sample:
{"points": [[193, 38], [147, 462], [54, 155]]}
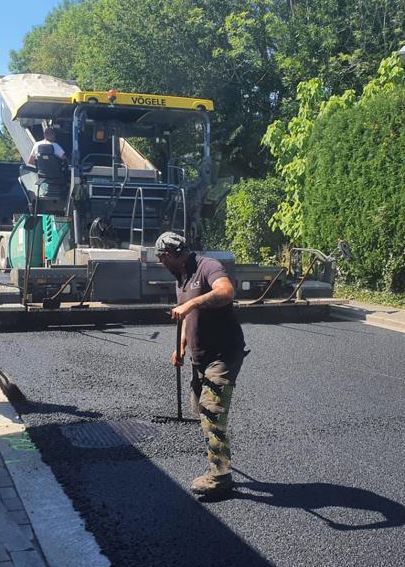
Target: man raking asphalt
{"points": [[215, 339]]}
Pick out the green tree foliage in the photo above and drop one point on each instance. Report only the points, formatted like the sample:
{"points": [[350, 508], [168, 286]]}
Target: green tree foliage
{"points": [[355, 188], [8, 151], [289, 145], [339, 41], [249, 206]]}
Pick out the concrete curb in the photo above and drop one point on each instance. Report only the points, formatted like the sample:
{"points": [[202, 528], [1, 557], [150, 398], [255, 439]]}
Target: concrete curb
{"points": [[390, 318], [59, 530]]}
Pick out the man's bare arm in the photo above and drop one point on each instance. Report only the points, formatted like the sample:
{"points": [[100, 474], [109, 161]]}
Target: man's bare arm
{"points": [[183, 342], [221, 294]]}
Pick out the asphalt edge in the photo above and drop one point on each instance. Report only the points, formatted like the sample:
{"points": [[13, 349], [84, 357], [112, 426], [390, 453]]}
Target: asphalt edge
{"points": [[57, 526]]}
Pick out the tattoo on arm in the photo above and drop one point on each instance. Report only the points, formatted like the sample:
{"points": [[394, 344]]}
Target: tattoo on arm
{"points": [[220, 295], [211, 299]]}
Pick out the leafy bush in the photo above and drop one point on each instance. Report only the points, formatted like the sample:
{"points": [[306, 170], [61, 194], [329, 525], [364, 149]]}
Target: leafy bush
{"points": [[249, 206], [355, 188], [289, 143], [288, 146], [8, 151]]}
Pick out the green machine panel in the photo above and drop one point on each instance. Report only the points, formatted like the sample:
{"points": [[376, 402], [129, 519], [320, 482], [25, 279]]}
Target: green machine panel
{"points": [[54, 231], [26, 232]]}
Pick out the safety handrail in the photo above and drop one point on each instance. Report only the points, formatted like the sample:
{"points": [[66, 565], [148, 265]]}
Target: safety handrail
{"points": [[180, 197], [139, 191]]}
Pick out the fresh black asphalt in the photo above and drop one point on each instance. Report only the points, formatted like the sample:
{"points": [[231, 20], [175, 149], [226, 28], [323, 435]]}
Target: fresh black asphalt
{"points": [[317, 430]]}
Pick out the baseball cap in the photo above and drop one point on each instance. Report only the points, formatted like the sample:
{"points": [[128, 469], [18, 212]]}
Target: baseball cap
{"points": [[170, 242]]}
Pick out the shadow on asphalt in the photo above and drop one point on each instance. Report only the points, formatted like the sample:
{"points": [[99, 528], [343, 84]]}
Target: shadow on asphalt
{"points": [[26, 407], [304, 330], [344, 327], [139, 515], [102, 333], [314, 496]]}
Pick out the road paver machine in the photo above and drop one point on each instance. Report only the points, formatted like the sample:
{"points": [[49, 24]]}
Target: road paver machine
{"points": [[90, 235]]}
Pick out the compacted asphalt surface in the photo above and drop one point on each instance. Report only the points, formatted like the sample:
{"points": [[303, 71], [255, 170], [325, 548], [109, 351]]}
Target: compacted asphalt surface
{"points": [[317, 429]]}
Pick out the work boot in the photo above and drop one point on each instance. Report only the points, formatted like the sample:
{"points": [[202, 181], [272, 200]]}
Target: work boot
{"points": [[208, 484]]}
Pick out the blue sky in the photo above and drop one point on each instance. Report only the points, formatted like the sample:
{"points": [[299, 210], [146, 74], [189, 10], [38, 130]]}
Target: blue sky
{"points": [[17, 18]]}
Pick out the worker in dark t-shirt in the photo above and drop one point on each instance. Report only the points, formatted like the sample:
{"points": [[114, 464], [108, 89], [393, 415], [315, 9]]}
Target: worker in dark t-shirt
{"points": [[215, 338]]}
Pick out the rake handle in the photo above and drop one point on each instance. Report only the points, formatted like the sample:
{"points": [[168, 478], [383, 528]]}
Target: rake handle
{"points": [[178, 370]]}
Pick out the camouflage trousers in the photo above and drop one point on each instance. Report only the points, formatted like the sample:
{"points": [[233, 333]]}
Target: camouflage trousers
{"points": [[211, 393]]}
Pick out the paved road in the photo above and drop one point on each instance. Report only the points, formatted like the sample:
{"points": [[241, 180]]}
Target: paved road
{"points": [[318, 436]]}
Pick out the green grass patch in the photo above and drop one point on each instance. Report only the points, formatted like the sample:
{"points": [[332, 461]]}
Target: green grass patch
{"points": [[344, 291]]}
